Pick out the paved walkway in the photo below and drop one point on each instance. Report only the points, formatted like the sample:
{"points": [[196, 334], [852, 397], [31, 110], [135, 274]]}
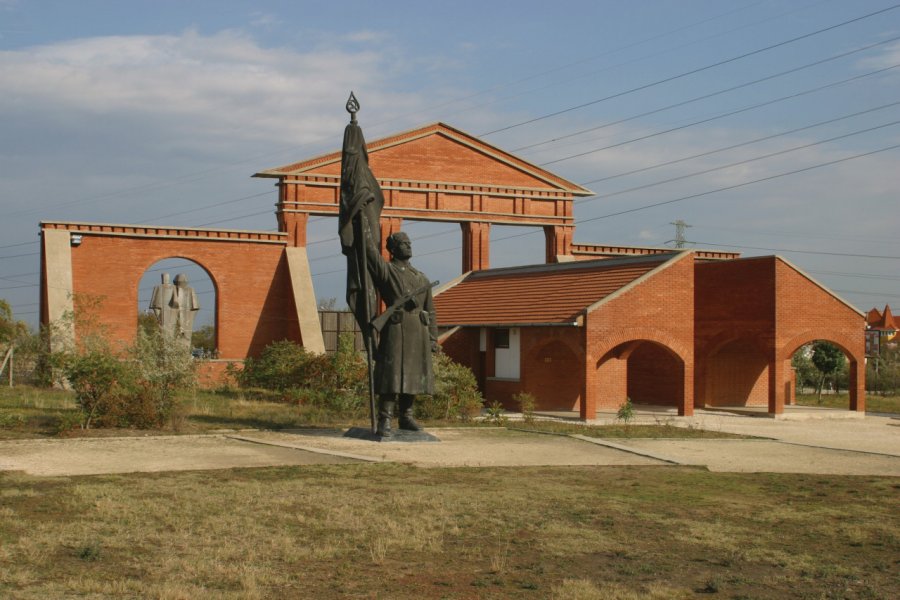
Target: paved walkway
{"points": [[869, 446]]}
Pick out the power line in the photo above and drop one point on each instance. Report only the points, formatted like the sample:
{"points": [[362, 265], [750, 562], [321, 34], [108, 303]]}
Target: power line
{"points": [[213, 205], [707, 96], [867, 293], [738, 163], [856, 275], [827, 236], [794, 251], [19, 255], [19, 244], [693, 71], [740, 185], [741, 144], [726, 114]]}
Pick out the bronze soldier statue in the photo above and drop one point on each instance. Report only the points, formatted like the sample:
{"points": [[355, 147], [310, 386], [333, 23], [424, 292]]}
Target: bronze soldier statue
{"points": [[403, 367], [408, 328]]}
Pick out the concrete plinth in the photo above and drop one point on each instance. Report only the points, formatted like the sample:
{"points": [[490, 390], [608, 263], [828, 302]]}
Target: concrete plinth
{"points": [[399, 435]]}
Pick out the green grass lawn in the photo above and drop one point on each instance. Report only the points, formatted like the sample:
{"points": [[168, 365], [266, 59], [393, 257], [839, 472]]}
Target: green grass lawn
{"points": [[27, 412], [874, 403], [394, 531]]}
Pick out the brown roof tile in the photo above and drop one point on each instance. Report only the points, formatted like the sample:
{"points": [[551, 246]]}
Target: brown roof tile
{"points": [[539, 294]]}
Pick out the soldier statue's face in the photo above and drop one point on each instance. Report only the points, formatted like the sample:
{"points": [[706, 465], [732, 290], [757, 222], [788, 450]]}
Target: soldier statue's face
{"points": [[401, 247]]}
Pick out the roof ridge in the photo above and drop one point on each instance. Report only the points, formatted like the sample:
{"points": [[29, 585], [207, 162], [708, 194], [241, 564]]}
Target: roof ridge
{"points": [[573, 266]]}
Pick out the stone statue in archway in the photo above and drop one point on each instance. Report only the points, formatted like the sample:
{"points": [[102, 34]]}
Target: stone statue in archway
{"points": [[175, 307], [160, 302]]}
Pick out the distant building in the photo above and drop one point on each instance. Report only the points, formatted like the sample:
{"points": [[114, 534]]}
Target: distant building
{"points": [[883, 323]]}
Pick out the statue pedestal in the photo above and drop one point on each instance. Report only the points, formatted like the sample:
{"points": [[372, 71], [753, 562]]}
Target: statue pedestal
{"points": [[399, 435]]}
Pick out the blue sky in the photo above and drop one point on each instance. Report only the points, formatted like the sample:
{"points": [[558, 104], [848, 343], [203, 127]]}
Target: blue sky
{"points": [[159, 112]]}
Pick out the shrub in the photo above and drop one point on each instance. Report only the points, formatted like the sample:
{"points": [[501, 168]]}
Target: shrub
{"points": [[164, 370], [456, 394], [284, 365], [526, 404], [626, 411], [349, 366], [96, 375]]}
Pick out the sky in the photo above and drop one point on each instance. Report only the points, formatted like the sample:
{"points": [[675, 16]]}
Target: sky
{"points": [[768, 126]]}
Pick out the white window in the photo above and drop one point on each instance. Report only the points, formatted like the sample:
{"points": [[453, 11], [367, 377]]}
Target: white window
{"points": [[506, 353]]}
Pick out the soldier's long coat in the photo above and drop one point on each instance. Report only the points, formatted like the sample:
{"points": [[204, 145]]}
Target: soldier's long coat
{"points": [[403, 360]]}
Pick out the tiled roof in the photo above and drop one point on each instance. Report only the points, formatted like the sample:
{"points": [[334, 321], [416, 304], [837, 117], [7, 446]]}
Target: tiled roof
{"points": [[883, 321], [539, 294]]}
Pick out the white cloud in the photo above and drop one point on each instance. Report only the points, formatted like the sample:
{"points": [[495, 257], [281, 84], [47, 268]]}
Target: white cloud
{"points": [[888, 56], [208, 84], [260, 19]]}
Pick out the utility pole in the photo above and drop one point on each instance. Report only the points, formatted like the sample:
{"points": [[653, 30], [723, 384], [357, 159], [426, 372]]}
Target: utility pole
{"points": [[680, 226]]}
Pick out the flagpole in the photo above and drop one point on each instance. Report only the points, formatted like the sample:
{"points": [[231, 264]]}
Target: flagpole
{"points": [[368, 333]]}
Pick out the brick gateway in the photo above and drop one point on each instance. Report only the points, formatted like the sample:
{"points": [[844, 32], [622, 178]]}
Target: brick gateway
{"points": [[694, 329]]}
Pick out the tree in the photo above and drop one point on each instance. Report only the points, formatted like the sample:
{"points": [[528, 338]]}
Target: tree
{"points": [[807, 374], [827, 358], [10, 328], [328, 303], [204, 338], [147, 323]]}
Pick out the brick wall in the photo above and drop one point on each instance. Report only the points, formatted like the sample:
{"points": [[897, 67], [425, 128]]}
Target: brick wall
{"points": [[255, 303], [752, 315], [551, 366], [659, 309]]}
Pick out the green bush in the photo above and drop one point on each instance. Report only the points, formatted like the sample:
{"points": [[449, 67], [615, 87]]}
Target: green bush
{"points": [[456, 394], [335, 385], [284, 365], [96, 375], [139, 386], [163, 371], [626, 411], [526, 404]]}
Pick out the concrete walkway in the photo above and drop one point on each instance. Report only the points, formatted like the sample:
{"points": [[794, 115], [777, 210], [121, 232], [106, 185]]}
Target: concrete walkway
{"points": [[869, 446]]}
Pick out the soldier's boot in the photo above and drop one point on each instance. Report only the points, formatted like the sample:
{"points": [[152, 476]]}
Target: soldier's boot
{"points": [[407, 421], [385, 412]]}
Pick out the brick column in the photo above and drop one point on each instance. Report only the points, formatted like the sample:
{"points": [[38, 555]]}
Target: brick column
{"points": [[389, 226], [476, 246], [558, 241], [776, 386], [857, 386], [686, 408], [294, 224]]}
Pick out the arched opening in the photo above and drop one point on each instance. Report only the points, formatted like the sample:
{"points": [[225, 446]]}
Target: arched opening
{"points": [[554, 369], [646, 372], [821, 372], [655, 376], [737, 375], [201, 316]]}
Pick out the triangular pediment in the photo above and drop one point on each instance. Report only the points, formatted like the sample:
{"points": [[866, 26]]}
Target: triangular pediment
{"points": [[438, 153]]}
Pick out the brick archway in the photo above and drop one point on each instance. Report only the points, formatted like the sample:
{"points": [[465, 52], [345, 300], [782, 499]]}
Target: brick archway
{"points": [[263, 288], [631, 353], [855, 359], [151, 277]]}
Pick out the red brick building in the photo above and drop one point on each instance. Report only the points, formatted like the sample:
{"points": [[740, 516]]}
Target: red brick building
{"points": [[592, 326], [661, 329]]}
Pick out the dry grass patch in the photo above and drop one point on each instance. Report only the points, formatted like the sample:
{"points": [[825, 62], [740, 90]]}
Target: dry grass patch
{"points": [[399, 532]]}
